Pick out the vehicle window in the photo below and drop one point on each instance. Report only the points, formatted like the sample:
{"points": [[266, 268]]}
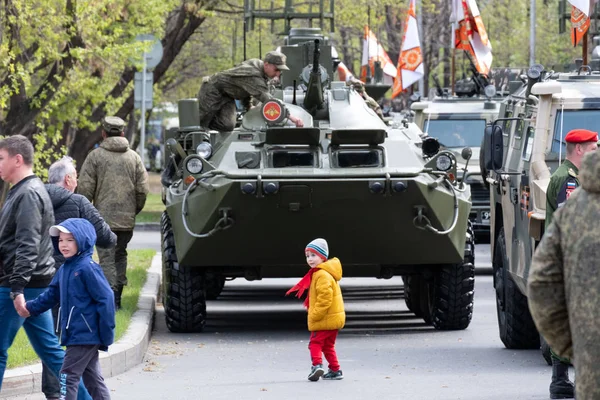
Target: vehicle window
{"points": [[528, 148], [520, 127], [507, 124], [573, 119], [456, 132]]}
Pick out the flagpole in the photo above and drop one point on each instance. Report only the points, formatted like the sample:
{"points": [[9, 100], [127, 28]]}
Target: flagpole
{"points": [[453, 67], [585, 48], [420, 25]]}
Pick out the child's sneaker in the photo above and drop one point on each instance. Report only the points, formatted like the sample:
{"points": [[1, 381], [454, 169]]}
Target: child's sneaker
{"points": [[316, 372], [337, 375]]}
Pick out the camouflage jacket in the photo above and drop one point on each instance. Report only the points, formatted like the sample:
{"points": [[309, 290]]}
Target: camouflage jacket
{"points": [[115, 180], [564, 285], [562, 183], [373, 105], [240, 82]]}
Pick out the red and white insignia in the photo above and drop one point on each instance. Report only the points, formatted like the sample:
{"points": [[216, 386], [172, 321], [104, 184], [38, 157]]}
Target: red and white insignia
{"points": [[272, 111]]}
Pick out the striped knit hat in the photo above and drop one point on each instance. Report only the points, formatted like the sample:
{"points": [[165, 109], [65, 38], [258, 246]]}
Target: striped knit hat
{"points": [[319, 247]]}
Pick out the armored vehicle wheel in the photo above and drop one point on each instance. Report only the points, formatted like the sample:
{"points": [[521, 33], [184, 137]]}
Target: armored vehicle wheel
{"points": [[183, 287], [453, 290], [545, 347], [517, 330], [412, 296], [214, 286]]}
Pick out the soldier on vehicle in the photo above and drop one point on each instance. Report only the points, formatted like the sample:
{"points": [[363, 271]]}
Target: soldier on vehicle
{"points": [[114, 178], [562, 183], [248, 80], [359, 86], [563, 288], [564, 180]]}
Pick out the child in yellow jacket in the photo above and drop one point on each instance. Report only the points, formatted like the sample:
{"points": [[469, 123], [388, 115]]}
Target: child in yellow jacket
{"points": [[325, 305]]}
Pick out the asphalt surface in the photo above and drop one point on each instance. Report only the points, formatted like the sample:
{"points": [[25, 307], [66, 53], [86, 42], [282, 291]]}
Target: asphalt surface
{"points": [[255, 347]]}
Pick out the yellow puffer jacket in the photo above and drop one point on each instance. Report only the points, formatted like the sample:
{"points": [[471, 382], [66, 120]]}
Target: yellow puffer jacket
{"points": [[326, 305]]}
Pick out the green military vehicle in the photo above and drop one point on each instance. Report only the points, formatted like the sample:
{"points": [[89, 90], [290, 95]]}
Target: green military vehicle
{"points": [[521, 150], [243, 204], [459, 121]]}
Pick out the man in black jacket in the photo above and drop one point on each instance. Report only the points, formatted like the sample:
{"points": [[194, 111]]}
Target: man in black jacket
{"points": [[62, 178], [26, 262]]}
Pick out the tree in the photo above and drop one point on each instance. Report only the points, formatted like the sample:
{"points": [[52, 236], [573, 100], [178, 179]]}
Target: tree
{"points": [[63, 73]]}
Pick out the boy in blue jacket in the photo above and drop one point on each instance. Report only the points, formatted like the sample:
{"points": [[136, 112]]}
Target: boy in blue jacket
{"points": [[87, 308]]}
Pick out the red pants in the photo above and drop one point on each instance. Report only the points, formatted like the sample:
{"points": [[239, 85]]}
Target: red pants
{"points": [[323, 342]]}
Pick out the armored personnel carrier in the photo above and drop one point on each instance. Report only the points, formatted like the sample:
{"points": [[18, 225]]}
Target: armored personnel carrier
{"points": [[458, 121], [521, 150], [243, 204]]}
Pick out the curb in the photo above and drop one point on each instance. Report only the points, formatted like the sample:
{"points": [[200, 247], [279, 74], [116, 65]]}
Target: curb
{"points": [[123, 355], [147, 226]]}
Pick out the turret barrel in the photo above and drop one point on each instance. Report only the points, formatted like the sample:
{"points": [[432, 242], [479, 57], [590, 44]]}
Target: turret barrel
{"points": [[313, 100]]}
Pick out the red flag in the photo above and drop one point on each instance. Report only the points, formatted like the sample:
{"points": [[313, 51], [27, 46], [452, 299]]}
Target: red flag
{"points": [[410, 61], [471, 36]]}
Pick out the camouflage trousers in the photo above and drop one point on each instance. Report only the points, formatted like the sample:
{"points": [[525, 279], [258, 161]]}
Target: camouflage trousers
{"points": [[114, 260], [217, 112]]}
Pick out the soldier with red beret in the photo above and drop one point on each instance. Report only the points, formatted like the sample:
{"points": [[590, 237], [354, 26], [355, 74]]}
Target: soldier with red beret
{"points": [[562, 183]]}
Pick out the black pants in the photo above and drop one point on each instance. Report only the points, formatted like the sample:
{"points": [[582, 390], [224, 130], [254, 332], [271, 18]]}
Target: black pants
{"points": [[82, 362], [50, 384]]}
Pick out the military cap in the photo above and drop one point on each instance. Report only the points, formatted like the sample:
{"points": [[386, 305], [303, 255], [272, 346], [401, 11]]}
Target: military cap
{"points": [[113, 124], [278, 59], [581, 136]]}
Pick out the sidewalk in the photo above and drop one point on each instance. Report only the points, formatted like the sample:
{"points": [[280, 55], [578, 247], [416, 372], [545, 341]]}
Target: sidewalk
{"points": [[126, 353]]}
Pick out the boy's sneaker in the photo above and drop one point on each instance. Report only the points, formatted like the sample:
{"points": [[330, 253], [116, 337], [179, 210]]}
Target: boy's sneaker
{"points": [[337, 375], [316, 372]]}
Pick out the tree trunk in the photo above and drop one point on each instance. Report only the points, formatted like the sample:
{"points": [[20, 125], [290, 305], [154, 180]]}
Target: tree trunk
{"points": [[181, 24]]}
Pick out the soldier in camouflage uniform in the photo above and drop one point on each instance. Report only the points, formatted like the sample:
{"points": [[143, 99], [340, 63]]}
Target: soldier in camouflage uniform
{"points": [[359, 86], [562, 183], [248, 80], [564, 180], [563, 284], [114, 178]]}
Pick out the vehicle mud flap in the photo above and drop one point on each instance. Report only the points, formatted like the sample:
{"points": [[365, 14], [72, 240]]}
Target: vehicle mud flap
{"points": [[516, 327], [453, 290], [184, 296]]}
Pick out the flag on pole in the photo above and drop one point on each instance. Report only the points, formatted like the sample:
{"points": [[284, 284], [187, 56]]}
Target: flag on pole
{"points": [[470, 34], [343, 72], [410, 61], [580, 19], [373, 51]]}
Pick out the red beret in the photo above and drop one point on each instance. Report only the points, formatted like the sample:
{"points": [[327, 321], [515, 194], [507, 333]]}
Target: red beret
{"points": [[581, 136]]}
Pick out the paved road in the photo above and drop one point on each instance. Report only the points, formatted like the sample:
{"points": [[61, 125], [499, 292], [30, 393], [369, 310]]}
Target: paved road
{"points": [[254, 347]]}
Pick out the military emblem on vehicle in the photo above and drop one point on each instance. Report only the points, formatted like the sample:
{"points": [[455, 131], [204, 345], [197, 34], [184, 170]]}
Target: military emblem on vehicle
{"points": [[273, 112]]}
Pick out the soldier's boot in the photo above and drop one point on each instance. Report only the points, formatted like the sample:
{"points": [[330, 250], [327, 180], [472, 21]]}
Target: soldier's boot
{"points": [[117, 293], [561, 387]]}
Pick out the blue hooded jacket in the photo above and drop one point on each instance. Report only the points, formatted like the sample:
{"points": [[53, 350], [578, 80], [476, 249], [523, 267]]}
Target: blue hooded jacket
{"points": [[87, 308]]}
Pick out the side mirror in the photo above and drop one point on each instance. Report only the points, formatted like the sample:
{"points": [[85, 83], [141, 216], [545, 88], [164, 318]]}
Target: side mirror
{"points": [[493, 147]]}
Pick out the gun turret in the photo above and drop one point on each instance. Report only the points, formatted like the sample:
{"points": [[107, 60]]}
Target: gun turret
{"points": [[313, 99]]}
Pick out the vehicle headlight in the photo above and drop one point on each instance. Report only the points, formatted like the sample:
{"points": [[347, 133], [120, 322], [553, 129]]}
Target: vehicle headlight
{"points": [[204, 150], [194, 165], [443, 163]]}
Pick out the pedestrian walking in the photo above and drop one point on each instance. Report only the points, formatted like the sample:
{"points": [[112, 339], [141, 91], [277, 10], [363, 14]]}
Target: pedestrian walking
{"points": [[216, 99], [563, 286], [115, 180], [562, 183], [26, 262], [62, 178], [325, 306], [87, 316]]}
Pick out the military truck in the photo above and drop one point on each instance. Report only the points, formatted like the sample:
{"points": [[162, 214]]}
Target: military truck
{"points": [[458, 121], [521, 150], [243, 204]]}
